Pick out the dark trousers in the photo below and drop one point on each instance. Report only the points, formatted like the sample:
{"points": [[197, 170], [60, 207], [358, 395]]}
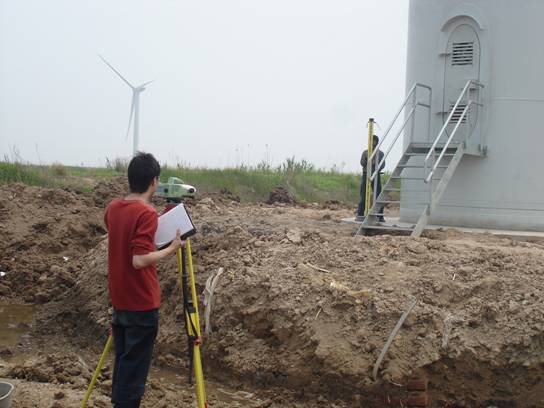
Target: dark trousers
{"points": [[362, 198], [134, 335]]}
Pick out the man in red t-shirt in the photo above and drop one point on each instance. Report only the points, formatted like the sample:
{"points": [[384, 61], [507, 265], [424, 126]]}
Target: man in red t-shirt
{"points": [[132, 280]]}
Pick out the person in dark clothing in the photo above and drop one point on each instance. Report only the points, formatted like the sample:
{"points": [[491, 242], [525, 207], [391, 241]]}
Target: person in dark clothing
{"points": [[364, 162]]}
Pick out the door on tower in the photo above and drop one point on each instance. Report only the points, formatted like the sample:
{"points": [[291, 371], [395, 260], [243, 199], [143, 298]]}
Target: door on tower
{"points": [[462, 63]]}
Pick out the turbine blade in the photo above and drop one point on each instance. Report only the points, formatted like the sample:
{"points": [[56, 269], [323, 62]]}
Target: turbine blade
{"points": [[130, 117], [114, 70]]}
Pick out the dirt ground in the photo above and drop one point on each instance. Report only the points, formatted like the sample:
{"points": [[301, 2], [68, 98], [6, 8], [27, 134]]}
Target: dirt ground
{"points": [[300, 314]]}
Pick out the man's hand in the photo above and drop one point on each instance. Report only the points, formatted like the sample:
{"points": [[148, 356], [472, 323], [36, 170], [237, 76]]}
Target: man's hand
{"points": [[176, 243], [141, 261]]}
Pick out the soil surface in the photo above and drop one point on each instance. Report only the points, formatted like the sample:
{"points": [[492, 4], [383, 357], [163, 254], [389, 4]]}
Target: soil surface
{"points": [[299, 316]]}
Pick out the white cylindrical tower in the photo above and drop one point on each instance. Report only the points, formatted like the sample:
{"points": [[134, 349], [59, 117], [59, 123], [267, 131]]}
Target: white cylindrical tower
{"points": [[499, 44]]}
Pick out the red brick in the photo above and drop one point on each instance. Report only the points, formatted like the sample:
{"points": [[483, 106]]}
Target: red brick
{"points": [[417, 384], [418, 400]]}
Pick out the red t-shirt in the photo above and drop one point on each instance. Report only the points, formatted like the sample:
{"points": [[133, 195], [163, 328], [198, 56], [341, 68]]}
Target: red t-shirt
{"points": [[131, 231]]}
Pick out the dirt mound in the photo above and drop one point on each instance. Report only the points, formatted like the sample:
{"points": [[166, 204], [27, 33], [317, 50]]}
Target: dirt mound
{"points": [[315, 312], [304, 305], [225, 194], [281, 195], [44, 232], [336, 205], [107, 190], [57, 369]]}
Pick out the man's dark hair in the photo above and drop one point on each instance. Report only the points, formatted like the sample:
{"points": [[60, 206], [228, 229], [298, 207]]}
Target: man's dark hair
{"points": [[375, 139], [142, 169]]}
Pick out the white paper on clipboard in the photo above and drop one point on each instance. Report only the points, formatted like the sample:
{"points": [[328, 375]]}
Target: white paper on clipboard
{"points": [[175, 219]]}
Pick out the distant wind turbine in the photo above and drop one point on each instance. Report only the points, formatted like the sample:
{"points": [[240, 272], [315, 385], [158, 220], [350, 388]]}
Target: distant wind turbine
{"points": [[134, 109]]}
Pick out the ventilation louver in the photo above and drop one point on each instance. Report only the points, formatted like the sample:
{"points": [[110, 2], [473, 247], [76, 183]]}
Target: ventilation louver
{"points": [[462, 53], [458, 112]]}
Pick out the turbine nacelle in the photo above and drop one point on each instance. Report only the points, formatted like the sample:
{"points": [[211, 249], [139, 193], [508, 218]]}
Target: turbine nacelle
{"points": [[141, 88]]}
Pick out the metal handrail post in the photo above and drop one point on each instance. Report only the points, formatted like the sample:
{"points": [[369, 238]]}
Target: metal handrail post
{"points": [[429, 114], [412, 111], [431, 184], [435, 166], [375, 187], [446, 124], [441, 155], [403, 105], [479, 103], [414, 106], [467, 128]]}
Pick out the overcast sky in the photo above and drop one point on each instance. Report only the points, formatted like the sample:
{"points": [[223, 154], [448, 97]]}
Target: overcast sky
{"points": [[233, 78]]}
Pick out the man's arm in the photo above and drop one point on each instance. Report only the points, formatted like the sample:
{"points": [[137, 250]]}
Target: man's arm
{"points": [[151, 258], [382, 155], [364, 160]]}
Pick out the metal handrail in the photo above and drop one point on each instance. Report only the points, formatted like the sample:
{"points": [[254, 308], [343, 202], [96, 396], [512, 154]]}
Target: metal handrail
{"points": [[446, 123], [415, 104]]}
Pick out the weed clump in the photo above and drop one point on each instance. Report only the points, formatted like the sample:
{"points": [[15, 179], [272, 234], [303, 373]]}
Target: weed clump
{"points": [[58, 169], [119, 164]]}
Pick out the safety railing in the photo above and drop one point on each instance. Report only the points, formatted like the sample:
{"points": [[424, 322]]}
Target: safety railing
{"points": [[432, 150], [410, 100]]}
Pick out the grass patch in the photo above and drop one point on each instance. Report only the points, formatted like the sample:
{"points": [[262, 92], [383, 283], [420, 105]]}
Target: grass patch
{"points": [[20, 173], [255, 184], [55, 176], [251, 184]]}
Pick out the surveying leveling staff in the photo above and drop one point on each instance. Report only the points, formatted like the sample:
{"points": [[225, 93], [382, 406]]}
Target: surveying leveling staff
{"points": [[132, 280]]}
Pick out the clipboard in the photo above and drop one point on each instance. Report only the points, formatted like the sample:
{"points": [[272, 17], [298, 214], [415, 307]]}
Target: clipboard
{"points": [[176, 219]]}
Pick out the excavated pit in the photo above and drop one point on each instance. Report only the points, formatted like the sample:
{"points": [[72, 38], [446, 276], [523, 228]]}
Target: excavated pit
{"points": [[300, 314]]}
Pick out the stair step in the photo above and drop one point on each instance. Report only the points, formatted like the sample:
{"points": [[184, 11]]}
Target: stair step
{"points": [[387, 228], [425, 154], [412, 178], [406, 191], [427, 146], [406, 166], [399, 202]]}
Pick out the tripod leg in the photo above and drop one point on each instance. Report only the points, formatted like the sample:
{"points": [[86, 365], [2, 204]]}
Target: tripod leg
{"points": [[97, 371]]}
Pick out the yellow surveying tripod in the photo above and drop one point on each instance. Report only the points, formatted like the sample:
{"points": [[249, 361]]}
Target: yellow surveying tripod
{"points": [[192, 325], [192, 322]]}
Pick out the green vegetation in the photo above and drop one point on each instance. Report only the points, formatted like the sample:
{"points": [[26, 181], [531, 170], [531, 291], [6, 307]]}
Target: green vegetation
{"points": [[16, 172], [250, 183], [254, 184], [56, 175]]}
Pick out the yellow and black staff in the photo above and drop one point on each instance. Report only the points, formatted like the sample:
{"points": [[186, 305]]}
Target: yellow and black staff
{"points": [[192, 322], [368, 193]]}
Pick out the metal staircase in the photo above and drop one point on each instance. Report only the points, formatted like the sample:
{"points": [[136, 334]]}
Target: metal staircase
{"points": [[424, 170]]}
